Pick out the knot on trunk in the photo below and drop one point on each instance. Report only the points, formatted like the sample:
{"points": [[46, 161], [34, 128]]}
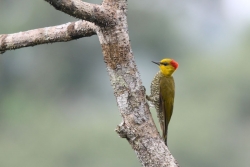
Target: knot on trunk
{"points": [[125, 131]]}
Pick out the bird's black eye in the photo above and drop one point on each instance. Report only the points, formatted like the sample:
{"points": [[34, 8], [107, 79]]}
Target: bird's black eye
{"points": [[165, 64]]}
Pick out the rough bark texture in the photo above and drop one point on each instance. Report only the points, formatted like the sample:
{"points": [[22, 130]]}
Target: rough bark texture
{"points": [[110, 21], [60, 33]]}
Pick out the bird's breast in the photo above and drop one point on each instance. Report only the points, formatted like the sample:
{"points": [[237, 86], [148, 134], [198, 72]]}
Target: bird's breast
{"points": [[167, 88]]}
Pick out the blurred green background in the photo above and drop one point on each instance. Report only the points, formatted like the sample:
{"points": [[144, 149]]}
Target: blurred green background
{"points": [[57, 107]]}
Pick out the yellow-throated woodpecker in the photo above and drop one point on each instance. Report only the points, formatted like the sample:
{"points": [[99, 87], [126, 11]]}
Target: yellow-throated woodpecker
{"points": [[162, 93]]}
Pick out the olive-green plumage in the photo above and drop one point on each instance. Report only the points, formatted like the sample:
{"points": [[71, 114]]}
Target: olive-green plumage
{"points": [[162, 93]]}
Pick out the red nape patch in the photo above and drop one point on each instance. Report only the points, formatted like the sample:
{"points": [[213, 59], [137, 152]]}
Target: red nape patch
{"points": [[174, 64]]}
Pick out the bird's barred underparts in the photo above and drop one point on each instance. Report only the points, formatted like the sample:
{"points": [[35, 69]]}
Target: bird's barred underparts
{"points": [[154, 97]]}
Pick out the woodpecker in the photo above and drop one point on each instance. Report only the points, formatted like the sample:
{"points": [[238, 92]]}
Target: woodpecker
{"points": [[162, 93]]}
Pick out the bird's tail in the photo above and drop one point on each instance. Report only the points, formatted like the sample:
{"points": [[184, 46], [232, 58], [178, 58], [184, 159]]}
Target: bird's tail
{"points": [[165, 139], [164, 132]]}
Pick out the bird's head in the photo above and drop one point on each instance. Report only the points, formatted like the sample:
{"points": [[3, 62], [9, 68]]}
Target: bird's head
{"points": [[167, 66]]}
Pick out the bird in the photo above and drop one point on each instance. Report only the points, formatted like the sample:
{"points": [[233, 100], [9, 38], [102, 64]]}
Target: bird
{"points": [[163, 92]]}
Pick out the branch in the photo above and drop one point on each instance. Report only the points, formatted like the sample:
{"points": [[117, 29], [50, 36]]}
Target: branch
{"points": [[60, 33], [97, 14]]}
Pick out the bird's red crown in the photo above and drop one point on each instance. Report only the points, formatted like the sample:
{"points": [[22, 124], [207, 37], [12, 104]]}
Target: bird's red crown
{"points": [[174, 64]]}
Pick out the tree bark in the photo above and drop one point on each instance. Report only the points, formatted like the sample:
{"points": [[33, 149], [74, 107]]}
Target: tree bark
{"points": [[109, 22]]}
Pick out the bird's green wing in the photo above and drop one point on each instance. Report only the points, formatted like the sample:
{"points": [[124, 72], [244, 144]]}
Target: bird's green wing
{"points": [[167, 90]]}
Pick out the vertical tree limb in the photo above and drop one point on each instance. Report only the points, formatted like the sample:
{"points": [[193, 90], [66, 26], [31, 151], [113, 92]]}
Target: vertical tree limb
{"points": [[137, 126]]}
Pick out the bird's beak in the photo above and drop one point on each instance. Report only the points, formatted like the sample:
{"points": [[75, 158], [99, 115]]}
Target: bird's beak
{"points": [[158, 63]]}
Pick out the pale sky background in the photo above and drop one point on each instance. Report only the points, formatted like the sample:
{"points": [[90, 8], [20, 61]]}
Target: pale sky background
{"points": [[237, 11]]}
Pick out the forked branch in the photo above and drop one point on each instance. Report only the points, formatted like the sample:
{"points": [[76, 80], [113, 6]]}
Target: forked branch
{"points": [[109, 22]]}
